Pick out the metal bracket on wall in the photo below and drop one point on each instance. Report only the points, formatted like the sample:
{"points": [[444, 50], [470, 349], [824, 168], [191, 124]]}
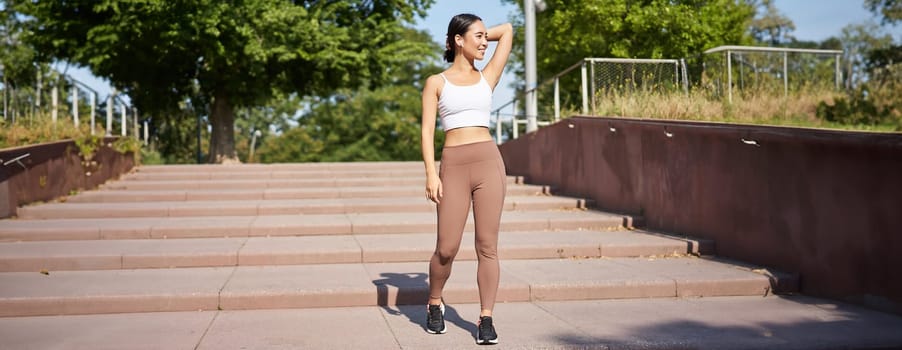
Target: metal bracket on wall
{"points": [[667, 133], [17, 160]]}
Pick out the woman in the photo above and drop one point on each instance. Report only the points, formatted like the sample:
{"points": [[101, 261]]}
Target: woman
{"points": [[471, 169]]}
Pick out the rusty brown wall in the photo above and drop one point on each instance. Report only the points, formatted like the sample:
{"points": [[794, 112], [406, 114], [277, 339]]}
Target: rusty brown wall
{"points": [[824, 204], [53, 170]]}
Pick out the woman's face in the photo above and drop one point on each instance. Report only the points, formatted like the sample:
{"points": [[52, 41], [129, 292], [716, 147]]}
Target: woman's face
{"points": [[474, 42]]}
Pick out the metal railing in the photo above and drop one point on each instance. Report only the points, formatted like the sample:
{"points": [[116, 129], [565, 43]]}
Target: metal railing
{"points": [[765, 64], [78, 89], [589, 84]]}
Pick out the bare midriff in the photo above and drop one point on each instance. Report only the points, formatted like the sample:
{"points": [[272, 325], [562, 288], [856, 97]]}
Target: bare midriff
{"points": [[465, 135]]}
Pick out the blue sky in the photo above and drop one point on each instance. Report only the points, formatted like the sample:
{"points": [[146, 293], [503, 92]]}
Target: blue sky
{"points": [[814, 19]]}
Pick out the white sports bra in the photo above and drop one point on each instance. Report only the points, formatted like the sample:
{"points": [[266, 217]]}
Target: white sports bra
{"points": [[461, 106]]}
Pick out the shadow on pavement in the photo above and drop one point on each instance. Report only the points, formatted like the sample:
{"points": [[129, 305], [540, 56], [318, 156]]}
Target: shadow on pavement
{"points": [[410, 300]]}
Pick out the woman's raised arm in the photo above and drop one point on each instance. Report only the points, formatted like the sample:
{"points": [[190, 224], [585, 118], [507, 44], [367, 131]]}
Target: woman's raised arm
{"points": [[504, 35]]}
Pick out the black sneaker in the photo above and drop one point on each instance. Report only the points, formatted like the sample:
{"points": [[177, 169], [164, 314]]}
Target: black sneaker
{"points": [[485, 332], [435, 319]]}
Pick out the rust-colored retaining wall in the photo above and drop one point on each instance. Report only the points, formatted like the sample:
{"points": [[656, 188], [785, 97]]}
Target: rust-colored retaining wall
{"points": [[53, 170], [824, 204]]}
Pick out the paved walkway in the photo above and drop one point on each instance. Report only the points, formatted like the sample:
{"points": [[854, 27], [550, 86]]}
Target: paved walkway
{"points": [[334, 256], [774, 322]]}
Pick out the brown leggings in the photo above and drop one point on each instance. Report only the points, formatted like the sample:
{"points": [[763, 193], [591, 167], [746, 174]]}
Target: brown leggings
{"points": [[474, 173]]}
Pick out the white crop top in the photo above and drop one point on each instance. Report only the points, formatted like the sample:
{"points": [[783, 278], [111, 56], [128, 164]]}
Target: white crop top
{"points": [[470, 105]]}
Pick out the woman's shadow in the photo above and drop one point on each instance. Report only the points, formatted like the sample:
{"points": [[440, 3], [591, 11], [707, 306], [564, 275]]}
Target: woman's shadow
{"points": [[410, 299]]}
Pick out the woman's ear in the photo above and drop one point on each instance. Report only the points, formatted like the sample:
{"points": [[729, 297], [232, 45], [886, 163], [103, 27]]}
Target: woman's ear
{"points": [[458, 40]]}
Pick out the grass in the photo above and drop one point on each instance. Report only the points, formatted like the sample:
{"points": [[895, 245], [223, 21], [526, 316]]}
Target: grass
{"points": [[42, 129], [799, 109]]}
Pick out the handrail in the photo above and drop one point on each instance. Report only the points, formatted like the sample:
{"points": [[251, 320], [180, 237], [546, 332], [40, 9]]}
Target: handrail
{"points": [[771, 49], [17, 160], [555, 79], [521, 94]]}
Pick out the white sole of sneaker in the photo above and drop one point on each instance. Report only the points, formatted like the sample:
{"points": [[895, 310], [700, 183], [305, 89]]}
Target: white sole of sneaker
{"points": [[439, 332], [487, 342]]}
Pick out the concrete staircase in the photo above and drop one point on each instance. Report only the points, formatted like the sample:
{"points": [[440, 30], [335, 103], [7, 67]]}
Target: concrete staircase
{"points": [[302, 236]]}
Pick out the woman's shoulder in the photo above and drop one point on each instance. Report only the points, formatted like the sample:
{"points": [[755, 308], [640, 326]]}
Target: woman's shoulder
{"points": [[436, 80], [434, 83]]}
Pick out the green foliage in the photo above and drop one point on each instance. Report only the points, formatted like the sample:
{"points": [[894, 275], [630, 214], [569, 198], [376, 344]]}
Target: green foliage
{"points": [[364, 125], [125, 145], [575, 29], [858, 39], [889, 10], [274, 118], [875, 102], [770, 26], [367, 124], [88, 145], [223, 55], [39, 130], [175, 135], [19, 69], [151, 157]]}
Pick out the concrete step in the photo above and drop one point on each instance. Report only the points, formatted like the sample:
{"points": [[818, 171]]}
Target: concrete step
{"points": [[774, 322], [266, 174], [286, 225], [270, 207], [215, 252], [255, 167], [369, 284], [117, 196], [149, 185]]}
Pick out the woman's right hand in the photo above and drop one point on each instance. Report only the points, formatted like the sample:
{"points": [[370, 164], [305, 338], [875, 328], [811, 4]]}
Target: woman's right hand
{"points": [[433, 188]]}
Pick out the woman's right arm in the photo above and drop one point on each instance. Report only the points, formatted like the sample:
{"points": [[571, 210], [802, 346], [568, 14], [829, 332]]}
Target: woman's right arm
{"points": [[504, 35], [427, 137]]}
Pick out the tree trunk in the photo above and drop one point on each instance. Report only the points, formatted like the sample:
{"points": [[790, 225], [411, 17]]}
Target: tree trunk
{"points": [[222, 139]]}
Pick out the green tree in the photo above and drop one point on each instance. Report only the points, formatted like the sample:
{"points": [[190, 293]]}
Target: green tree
{"points": [[890, 10], [366, 124], [227, 54], [858, 39], [175, 136], [16, 64], [570, 30], [274, 118], [770, 26]]}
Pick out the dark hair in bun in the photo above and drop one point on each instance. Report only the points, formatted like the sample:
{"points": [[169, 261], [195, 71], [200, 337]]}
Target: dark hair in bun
{"points": [[458, 26]]}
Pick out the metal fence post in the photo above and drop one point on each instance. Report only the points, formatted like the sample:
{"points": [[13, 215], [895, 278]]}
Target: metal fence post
{"points": [[54, 99], [497, 127], [557, 99], [75, 105], [93, 110], [592, 85], [135, 124], [729, 76], [685, 76], [123, 117], [838, 74], [37, 97], [109, 115], [785, 75], [585, 88]]}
